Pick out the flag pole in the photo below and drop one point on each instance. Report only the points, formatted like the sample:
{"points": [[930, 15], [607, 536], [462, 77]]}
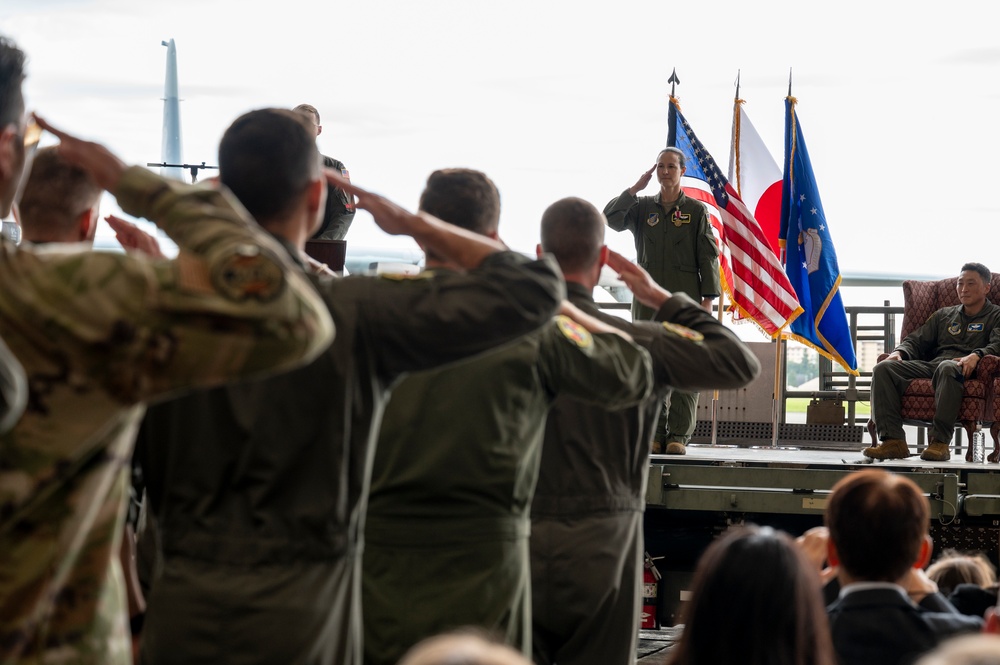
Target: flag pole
{"points": [[715, 392]]}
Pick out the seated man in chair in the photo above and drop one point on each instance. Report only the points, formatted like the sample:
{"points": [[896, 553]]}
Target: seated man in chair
{"points": [[946, 349]]}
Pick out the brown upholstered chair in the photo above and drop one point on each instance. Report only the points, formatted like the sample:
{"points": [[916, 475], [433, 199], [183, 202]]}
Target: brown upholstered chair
{"points": [[920, 300]]}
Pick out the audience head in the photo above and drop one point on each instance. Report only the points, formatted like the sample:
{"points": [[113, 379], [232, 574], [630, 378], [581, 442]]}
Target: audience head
{"points": [[462, 648], [60, 201], [268, 158], [463, 197], [310, 112], [755, 600], [953, 568], [878, 526], [573, 232], [12, 61], [978, 649]]}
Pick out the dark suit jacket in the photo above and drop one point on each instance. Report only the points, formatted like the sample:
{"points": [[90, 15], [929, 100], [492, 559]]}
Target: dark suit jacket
{"points": [[882, 627]]}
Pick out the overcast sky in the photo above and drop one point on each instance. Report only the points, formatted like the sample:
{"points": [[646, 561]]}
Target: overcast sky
{"points": [[897, 102]]}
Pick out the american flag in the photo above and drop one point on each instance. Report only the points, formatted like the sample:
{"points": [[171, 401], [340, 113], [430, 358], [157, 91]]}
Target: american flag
{"points": [[752, 275]]}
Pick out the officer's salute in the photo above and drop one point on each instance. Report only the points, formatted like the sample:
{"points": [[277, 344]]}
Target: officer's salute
{"points": [[266, 480], [674, 244], [97, 334], [586, 533]]}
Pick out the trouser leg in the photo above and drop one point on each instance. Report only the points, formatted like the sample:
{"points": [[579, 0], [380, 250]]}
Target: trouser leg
{"points": [[890, 379], [681, 415], [949, 385]]}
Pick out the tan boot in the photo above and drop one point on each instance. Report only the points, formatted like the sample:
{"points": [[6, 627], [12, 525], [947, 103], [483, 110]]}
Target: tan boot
{"points": [[937, 451], [888, 449], [676, 448], [657, 447]]}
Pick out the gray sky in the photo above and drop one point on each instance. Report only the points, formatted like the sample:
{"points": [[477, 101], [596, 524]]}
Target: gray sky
{"points": [[562, 98]]}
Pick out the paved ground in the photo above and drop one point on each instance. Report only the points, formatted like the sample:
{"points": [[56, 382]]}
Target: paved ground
{"points": [[654, 645]]}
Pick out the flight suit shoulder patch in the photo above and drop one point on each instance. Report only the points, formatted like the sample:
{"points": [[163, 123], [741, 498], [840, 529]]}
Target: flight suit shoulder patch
{"points": [[574, 332], [248, 272], [683, 331]]}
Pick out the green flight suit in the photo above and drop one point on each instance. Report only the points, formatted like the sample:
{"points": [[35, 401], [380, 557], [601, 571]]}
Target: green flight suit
{"points": [[676, 247], [586, 516], [929, 352], [13, 389], [97, 333], [446, 541], [259, 489]]}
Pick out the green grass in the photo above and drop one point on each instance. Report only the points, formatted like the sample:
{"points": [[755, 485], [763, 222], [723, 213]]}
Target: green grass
{"points": [[799, 404]]}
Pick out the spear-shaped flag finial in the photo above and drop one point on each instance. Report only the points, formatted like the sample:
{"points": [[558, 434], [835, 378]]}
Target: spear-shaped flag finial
{"points": [[673, 81]]}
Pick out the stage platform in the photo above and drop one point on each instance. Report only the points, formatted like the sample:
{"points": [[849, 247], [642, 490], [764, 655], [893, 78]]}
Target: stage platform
{"points": [[690, 499]]}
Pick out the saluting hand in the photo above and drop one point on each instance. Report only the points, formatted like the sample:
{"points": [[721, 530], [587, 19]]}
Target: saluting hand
{"points": [[102, 165], [641, 183], [134, 239], [391, 218], [639, 282]]}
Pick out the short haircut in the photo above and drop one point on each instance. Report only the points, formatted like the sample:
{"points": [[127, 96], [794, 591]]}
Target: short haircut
{"points": [[877, 522], [983, 271], [268, 158], [463, 197], [755, 600], [12, 61], [55, 195], [308, 108], [674, 151], [573, 232]]}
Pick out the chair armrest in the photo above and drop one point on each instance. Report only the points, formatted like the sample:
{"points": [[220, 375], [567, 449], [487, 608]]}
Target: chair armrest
{"points": [[987, 367]]}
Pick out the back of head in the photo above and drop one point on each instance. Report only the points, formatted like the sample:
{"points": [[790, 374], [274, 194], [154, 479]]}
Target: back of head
{"points": [[877, 522], [268, 158], [952, 569], [464, 197], [12, 61], [573, 231], [54, 197], [754, 601], [979, 649], [461, 648]]}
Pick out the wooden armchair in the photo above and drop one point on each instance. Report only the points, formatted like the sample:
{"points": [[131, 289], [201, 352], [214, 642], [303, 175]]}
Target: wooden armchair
{"points": [[981, 399]]}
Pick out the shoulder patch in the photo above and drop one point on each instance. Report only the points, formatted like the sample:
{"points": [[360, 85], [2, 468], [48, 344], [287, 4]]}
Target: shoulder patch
{"points": [[249, 273], [683, 331], [574, 332]]}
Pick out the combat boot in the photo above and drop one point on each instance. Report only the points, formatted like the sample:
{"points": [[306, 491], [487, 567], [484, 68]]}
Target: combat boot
{"points": [[888, 449], [937, 451], [676, 448]]}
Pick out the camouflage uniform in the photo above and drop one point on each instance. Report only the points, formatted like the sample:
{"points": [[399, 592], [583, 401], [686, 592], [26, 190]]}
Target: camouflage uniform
{"points": [[586, 517], [446, 539], [13, 389], [259, 488], [676, 247], [97, 333]]}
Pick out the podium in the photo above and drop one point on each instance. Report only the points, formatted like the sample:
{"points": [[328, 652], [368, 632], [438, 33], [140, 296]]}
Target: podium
{"points": [[331, 252]]}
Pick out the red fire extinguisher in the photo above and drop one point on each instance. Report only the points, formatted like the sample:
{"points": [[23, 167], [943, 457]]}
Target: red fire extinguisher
{"points": [[650, 587]]}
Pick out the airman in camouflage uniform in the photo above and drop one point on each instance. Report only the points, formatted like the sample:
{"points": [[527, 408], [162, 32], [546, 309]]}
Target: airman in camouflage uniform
{"points": [[98, 334]]}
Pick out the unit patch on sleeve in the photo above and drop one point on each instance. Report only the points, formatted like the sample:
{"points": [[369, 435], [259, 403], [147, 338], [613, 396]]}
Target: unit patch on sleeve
{"points": [[574, 332], [683, 331]]}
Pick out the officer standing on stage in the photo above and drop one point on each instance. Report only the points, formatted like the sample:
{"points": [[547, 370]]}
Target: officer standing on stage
{"points": [[339, 204], [674, 244]]}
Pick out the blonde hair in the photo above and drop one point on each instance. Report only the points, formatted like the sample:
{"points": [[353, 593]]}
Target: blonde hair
{"points": [[954, 568]]}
